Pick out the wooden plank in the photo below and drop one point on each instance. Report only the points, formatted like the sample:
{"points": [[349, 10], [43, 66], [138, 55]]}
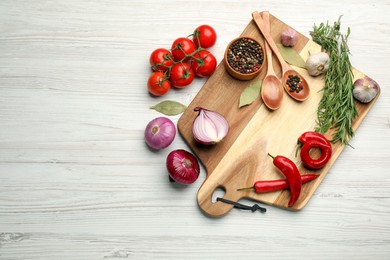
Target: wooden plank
{"points": [[242, 158]]}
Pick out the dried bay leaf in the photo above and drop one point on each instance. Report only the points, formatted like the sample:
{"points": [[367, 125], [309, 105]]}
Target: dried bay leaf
{"points": [[291, 56], [169, 107], [250, 93]]}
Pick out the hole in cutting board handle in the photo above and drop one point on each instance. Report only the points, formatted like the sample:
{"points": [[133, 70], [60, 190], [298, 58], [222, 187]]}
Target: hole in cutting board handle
{"points": [[218, 192], [210, 205]]}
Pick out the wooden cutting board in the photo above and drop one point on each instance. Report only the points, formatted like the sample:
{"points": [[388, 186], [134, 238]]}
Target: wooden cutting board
{"points": [[241, 159]]}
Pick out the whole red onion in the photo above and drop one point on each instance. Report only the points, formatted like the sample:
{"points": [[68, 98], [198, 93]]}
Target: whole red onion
{"points": [[183, 167], [159, 133]]}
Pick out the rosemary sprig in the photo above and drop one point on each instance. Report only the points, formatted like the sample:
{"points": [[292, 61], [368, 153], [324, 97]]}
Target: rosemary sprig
{"points": [[336, 109]]}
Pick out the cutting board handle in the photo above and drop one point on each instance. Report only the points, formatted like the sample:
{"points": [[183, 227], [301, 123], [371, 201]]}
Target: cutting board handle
{"points": [[217, 208], [233, 171]]}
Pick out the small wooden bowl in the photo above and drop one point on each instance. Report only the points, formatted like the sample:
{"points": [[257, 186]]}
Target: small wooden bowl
{"points": [[236, 74]]}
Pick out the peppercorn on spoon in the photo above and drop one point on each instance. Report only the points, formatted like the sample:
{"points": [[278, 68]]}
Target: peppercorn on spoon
{"points": [[297, 87], [271, 89]]}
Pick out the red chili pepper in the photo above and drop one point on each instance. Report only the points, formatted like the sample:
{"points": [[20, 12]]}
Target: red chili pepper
{"points": [[310, 140], [290, 171], [326, 153], [275, 185], [314, 136]]}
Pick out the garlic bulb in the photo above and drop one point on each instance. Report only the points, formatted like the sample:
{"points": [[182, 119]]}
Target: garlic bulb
{"points": [[365, 89], [317, 63], [289, 37]]}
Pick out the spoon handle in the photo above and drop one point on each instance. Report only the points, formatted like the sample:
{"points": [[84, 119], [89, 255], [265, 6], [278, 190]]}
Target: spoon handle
{"points": [[270, 69], [267, 48], [262, 24]]}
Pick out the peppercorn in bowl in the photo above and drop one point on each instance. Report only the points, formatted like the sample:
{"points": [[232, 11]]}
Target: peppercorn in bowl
{"points": [[244, 58]]}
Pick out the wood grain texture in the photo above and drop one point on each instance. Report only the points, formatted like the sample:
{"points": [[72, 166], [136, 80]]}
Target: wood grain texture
{"points": [[242, 157], [77, 180]]}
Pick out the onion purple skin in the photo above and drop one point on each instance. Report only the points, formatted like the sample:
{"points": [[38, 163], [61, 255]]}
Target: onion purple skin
{"points": [[160, 133], [183, 167]]}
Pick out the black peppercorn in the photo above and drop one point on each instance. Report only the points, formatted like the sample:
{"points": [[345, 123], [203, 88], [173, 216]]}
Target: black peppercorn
{"points": [[245, 56], [295, 83]]}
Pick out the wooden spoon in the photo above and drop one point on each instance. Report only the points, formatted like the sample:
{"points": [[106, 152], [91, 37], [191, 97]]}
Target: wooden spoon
{"points": [[286, 68], [271, 89]]}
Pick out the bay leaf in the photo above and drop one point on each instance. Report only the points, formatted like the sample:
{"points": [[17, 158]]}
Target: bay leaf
{"points": [[250, 93], [169, 107], [291, 56]]}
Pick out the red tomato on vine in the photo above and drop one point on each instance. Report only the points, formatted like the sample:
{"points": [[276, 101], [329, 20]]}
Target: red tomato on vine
{"points": [[182, 47], [181, 75], [204, 36], [161, 59], [158, 85], [204, 63]]}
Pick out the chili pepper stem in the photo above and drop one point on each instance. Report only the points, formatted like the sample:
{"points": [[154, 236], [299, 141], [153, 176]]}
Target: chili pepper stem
{"points": [[298, 147], [247, 188], [273, 157]]}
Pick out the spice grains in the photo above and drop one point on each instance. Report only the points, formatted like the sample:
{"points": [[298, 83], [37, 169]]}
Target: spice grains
{"points": [[245, 56], [295, 83]]}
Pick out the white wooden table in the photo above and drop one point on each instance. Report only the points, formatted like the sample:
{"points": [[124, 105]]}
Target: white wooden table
{"points": [[77, 180]]}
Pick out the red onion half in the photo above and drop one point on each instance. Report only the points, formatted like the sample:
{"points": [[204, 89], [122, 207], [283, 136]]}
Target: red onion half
{"points": [[209, 127], [183, 167], [159, 133]]}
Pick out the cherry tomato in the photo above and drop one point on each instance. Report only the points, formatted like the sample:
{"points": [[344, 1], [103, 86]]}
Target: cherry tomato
{"points": [[158, 85], [182, 47], [161, 59], [205, 36], [181, 75], [204, 63]]}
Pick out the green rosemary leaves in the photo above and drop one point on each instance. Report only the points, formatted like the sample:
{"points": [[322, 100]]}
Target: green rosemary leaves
{"points": [[336, 109]]}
